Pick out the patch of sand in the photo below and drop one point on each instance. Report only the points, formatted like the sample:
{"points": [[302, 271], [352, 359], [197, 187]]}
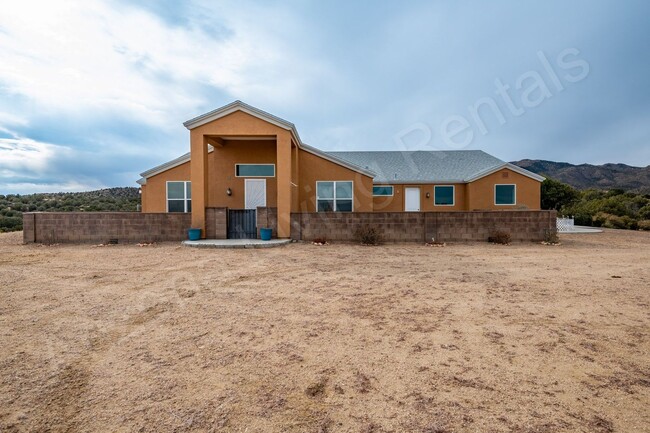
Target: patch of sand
{"points": [[338, 338]]}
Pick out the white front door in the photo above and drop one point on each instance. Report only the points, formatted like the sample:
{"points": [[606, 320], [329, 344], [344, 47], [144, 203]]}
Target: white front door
{"points": [[255, 194], [412, 199]]}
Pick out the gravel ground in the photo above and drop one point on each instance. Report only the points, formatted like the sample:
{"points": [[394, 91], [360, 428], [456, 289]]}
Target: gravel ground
{"points": [[337, 338]]}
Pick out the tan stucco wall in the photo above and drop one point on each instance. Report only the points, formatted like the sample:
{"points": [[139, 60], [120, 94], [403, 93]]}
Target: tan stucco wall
{"points": [[154, 193], [480, 193], [396, 202], [239, 124], [314, 168], [221, 172]]}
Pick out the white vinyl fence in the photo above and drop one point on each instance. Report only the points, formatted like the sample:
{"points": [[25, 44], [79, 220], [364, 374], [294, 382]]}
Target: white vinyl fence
{"points": [[565, 224]]}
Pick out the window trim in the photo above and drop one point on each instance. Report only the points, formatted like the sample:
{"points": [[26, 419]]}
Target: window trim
{"points": [[392, 191], [246, 163], [453, 195], [514, 190], [184, 199], [334, 194]]}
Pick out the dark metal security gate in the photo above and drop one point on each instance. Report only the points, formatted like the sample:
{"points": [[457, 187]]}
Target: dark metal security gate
{"points": [[242, 224]]}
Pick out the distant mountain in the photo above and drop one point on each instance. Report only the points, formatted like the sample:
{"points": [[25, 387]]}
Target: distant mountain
{"points": [[585, 176]]}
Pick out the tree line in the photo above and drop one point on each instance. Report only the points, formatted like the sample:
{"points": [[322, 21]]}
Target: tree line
{"points": [[12, 206], [614, 208]]}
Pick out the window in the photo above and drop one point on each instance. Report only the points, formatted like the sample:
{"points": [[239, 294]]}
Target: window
{"points": [[334, 196], [379, 191], [443, 195], [505, 194], [179, 196], [255, 170]]}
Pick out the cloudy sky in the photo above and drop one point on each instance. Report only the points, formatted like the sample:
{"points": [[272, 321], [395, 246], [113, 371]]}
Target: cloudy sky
{"points": [[94, 92]]}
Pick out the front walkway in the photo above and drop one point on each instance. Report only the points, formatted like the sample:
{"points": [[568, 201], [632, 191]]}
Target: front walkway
{"points": [[581, 229], [236, 243]]}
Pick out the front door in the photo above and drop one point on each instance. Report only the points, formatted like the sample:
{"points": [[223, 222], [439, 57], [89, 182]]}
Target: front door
{"points": [[412, 199], [255, 194]]}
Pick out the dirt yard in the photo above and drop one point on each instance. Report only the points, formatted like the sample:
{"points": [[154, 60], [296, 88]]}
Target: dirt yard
{"points": [[338, 338]]}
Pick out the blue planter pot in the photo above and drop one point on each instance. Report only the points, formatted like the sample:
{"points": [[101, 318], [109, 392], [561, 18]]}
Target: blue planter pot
{"points": [[194, 234], [265, 234]]}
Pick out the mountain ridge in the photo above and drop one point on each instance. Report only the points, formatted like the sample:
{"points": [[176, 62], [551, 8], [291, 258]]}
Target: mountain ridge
{"points": [[585, 176]]}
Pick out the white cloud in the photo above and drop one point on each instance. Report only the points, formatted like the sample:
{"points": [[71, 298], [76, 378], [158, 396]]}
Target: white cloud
{"points": [[29, 166], [21, 157], [93, 57]]}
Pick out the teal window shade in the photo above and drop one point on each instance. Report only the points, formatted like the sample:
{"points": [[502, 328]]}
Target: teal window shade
{"points": [[379, 191], [504, 194], [255, 170], [443, 195]]}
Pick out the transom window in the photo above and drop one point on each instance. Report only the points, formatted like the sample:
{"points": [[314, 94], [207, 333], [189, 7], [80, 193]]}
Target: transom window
{"points": [[443, 195], [334, 196], [505, 194], [179, 196], [382, 191], [255, 170]]}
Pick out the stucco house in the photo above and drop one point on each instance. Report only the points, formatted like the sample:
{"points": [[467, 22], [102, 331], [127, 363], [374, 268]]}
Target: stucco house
{"points": [[242, 158]]}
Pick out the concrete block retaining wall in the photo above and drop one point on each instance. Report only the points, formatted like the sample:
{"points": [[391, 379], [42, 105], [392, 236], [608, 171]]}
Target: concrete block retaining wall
{"points": [[216, 223], [522, 225], [125, 227], [131, 227]]}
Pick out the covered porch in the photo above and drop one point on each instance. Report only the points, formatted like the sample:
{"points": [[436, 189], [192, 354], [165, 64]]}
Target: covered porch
{"points": [[242, 159]]}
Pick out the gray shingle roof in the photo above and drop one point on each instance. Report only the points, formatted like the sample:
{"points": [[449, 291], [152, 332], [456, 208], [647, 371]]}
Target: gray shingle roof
{"points": [[445, 166]]}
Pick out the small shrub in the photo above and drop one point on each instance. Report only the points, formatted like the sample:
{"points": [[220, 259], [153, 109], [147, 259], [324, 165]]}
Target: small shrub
{"points": [[644, 225], [500, 237], [551, 237], [369, 235], [603, 219]]}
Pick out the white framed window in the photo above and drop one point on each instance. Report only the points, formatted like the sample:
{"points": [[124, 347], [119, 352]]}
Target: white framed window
{"points": [[505, 194], [179, 196], [382, 191], [444, 195], [254, 170], [334, 196]]}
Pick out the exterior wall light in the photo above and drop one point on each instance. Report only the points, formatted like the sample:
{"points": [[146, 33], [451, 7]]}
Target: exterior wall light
{"points": [[229, 191], [428, 194]]}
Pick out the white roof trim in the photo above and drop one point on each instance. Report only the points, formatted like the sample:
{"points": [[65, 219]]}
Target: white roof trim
{"points": [[166, 166], [248, 109], [417, 182], [509, 166], [274, 120], [338, 161]]}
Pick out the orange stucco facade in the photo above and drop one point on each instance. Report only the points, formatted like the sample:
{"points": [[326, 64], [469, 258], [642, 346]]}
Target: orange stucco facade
{"points": [[242, 138], [480, 193]]}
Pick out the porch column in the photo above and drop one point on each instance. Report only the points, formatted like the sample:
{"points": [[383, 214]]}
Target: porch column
{"points": [[199, 178], [283, 178]]}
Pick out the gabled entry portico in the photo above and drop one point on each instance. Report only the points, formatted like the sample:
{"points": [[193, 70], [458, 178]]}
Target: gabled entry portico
{"points": [[240, 134]]}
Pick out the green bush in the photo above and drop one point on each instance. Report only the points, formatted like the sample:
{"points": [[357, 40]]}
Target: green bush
{"points": [[644, 224], [9, 224], [603, 219], [644, 212], [556, 195], [612, 209]]}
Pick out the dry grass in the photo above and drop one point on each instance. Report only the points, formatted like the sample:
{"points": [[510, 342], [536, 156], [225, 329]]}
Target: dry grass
{"points": [[343, 338]]}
